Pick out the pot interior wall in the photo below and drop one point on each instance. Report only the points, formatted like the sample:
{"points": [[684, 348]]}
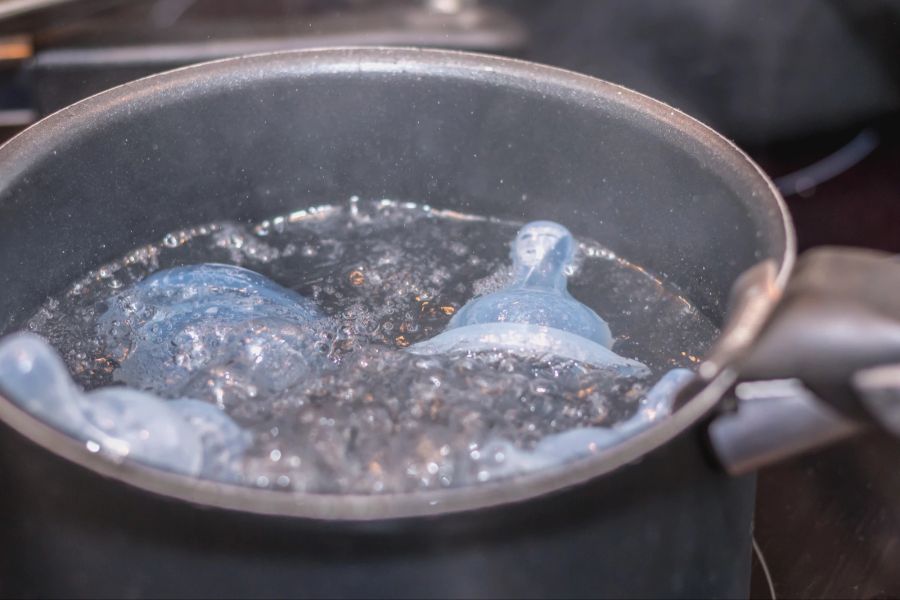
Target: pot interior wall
{"points": [[251, 138]]}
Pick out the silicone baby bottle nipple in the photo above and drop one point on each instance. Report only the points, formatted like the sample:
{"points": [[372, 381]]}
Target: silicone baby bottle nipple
{"points": [[538, 296], [535, 314], [119, 421], [188, 319]]}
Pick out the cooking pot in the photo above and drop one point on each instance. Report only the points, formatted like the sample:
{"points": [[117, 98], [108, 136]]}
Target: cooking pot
{"points": [[663, 514]]}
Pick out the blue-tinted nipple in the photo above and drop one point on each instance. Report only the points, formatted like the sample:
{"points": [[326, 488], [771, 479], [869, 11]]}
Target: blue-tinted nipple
{"points": [[117, 421], [535, 314], [538, 296], [187, 320]]}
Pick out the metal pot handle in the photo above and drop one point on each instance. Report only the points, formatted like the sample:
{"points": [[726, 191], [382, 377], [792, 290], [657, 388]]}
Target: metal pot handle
{"points": [[824, 365]]}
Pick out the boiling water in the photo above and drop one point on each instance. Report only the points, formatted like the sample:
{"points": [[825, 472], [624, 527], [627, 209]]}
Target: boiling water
{"points": [[338, 405]]}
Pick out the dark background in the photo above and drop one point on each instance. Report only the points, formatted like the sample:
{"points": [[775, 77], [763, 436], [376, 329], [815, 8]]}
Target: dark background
{"points": [[809, 88]]}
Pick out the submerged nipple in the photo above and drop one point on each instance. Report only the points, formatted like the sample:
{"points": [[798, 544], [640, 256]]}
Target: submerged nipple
{"points": [[537, 295], [534, 314], [196, 322], [172, 434]]}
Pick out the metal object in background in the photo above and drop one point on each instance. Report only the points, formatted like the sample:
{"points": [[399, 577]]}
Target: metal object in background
{"points": [[775, 420], [878, 389], [828, 167], [23, 14], [836, 331], [758, 71], [115, 42]]}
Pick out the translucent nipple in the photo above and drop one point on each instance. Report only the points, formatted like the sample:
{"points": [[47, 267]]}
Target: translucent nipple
{"points": [[117, 421], [538, 296], [535, 313], [192, 325], [541, 252]]}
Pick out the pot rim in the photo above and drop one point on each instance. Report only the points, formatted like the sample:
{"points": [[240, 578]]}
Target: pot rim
{"points": [[15, 155]]}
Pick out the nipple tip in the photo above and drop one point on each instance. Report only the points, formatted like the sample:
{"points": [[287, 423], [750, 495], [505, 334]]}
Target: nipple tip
{"points": [[544, 242]]}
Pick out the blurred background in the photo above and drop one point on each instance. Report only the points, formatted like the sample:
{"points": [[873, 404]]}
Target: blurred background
{"points": [[809, 88]]}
